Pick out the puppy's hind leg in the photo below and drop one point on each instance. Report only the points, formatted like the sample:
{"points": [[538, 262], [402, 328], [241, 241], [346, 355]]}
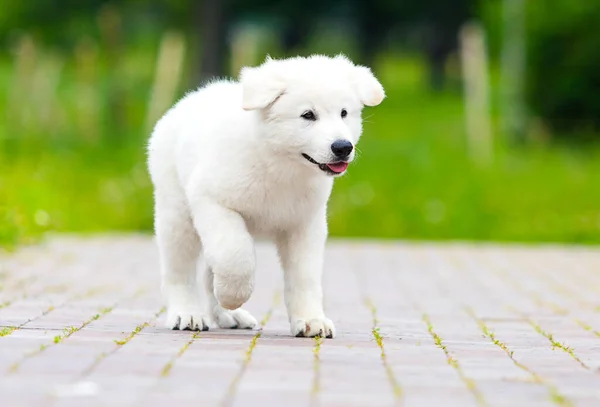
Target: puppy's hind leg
{"points": [[179, 248], [238, 318]]}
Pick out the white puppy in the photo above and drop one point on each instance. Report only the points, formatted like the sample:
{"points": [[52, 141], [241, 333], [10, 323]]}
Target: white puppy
{"points": [[234, 161]]}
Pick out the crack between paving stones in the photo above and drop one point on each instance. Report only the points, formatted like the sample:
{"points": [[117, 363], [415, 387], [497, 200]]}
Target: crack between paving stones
{"points": [[504, 276], [379, 339], [452, 361], [53, 396], [554, 394], [167, 368], [550, 305], [232, 388], [567, 293], [587, 327], [563, 312], [28, 281], [67, 332], [560, 311], [438, 342], [316, 384], [87, 294], [555, 344], [18, 285], [558, 287], [120, 343]]}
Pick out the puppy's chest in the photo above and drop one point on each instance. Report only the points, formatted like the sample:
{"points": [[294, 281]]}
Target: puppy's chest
{"points": [[268, 208]]}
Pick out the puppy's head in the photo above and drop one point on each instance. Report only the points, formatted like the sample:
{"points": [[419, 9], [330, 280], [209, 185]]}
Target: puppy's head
{"points": [[311, 107]]}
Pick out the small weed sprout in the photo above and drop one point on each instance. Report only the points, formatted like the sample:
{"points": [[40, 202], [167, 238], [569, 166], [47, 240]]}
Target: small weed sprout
{"points": [[133, 333], [66, 332], [439, 342], [588, 327], [556, 344], [555, 395], [316, 366], [7, 330], [379, 340], [228, 399], [167, 369]]}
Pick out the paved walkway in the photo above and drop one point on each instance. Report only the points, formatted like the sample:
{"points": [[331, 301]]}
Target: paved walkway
{"points": [[418, 325]]}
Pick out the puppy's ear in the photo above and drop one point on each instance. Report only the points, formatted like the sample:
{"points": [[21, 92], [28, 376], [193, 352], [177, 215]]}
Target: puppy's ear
{"points": [[369, 89], [260, 87]]}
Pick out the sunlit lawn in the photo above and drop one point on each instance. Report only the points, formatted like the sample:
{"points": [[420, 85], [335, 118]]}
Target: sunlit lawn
{"points": [[71, 163]]}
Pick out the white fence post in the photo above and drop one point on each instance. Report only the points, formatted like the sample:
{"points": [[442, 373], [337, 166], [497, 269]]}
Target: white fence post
{"points": [[513, 63], [169, 65], [476, 88]]}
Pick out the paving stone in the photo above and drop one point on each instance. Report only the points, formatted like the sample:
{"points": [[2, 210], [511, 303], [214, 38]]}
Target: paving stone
{"points": [[419, 324]]}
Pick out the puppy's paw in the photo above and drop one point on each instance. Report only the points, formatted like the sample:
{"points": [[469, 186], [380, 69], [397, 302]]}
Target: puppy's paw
{"points": [[186, 320], [238, 318], [309, 328], [233, 291], [184, 311]]}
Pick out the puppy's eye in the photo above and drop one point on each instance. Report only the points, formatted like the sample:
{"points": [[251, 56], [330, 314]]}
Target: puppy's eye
{"points": [[344, 113], [309, 115]]}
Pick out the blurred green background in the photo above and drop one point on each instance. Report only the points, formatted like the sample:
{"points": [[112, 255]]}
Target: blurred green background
{"points": [[490, 130]]}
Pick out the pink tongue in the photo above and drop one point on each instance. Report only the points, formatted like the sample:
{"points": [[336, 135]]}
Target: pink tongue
{"points": [[338, 167]]}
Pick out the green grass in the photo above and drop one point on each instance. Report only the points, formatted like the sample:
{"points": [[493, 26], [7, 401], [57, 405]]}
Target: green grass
{"points": [[73, 160]]}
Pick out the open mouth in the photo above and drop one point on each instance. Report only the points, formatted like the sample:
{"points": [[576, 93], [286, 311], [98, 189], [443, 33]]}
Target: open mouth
{"points": [[333, 168]]}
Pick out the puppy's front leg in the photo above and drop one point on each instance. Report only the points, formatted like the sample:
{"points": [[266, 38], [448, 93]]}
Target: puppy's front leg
{"points": [[228, 252], [301, 251]]}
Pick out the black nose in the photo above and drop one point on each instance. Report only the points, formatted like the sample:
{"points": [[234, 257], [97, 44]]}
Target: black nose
{"points": [[341, 148]]}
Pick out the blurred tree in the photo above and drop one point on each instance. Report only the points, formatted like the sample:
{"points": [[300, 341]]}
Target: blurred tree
{"points": [[373, 19], [208, 21], [63, 22], [211, 27], [563, 81], [439, 20], [443, 20], [513, 63], [294, 19]]}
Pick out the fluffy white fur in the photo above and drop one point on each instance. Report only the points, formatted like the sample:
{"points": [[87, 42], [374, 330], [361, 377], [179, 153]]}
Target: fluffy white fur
{"points": [[227, 166]]}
